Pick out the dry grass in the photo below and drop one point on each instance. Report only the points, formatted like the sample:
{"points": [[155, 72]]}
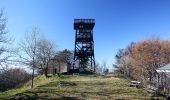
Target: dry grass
{"points": [[87, 88]]}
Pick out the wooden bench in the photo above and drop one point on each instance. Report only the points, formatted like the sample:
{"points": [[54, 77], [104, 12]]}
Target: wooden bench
{"points": [[135, 84], [75, 74]]}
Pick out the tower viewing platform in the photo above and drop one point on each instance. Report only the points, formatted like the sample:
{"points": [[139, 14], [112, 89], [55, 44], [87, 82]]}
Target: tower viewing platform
{"points": [[84, 24]]}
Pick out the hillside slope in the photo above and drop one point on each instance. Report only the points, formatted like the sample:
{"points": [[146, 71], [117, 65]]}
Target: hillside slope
{"points": [[77, 87]]}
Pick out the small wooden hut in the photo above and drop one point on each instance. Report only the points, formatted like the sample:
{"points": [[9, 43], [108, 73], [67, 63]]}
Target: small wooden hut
{"points": [[164, 79]]}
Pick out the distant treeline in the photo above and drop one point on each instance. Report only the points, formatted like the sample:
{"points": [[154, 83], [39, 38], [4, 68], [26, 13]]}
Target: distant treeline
{"points": [[14, 77]]}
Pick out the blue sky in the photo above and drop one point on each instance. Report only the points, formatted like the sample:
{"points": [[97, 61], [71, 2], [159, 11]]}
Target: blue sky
{"points": [[118, 22]]}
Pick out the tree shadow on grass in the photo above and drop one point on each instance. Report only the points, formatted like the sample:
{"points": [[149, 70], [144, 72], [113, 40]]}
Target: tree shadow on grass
{"points": [[24, 96], [68, 98], [29, 95], [45, 92]]}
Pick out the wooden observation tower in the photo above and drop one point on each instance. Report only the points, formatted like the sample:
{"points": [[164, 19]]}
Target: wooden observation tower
{"points": [[84, 45]]}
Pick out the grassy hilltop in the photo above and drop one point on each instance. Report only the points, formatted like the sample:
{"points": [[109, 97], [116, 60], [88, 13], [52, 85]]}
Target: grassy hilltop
{"points": [[90, 87]]}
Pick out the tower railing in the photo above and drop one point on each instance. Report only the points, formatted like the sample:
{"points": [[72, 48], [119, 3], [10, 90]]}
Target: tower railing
{"points": [[84, 20]]}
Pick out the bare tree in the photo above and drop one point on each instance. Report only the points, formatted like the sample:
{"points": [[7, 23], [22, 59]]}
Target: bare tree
{"points": [[123, 61], [98, 68], [104, 67], [5, 53], [46, 50], [29, 48], [13, 77], [65, 56]]}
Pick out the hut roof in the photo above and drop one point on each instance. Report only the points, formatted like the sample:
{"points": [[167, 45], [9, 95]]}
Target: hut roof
{"points": [[165, 68]]}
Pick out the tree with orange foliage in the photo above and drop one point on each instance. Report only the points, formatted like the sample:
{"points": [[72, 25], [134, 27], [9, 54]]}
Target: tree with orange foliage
{"points": [[144, 58]]}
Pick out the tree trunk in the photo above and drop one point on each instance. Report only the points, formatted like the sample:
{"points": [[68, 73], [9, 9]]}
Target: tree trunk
{"points": [[42, 70], [32, 85], [46, 71], [59, 67], [54, 72]]}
